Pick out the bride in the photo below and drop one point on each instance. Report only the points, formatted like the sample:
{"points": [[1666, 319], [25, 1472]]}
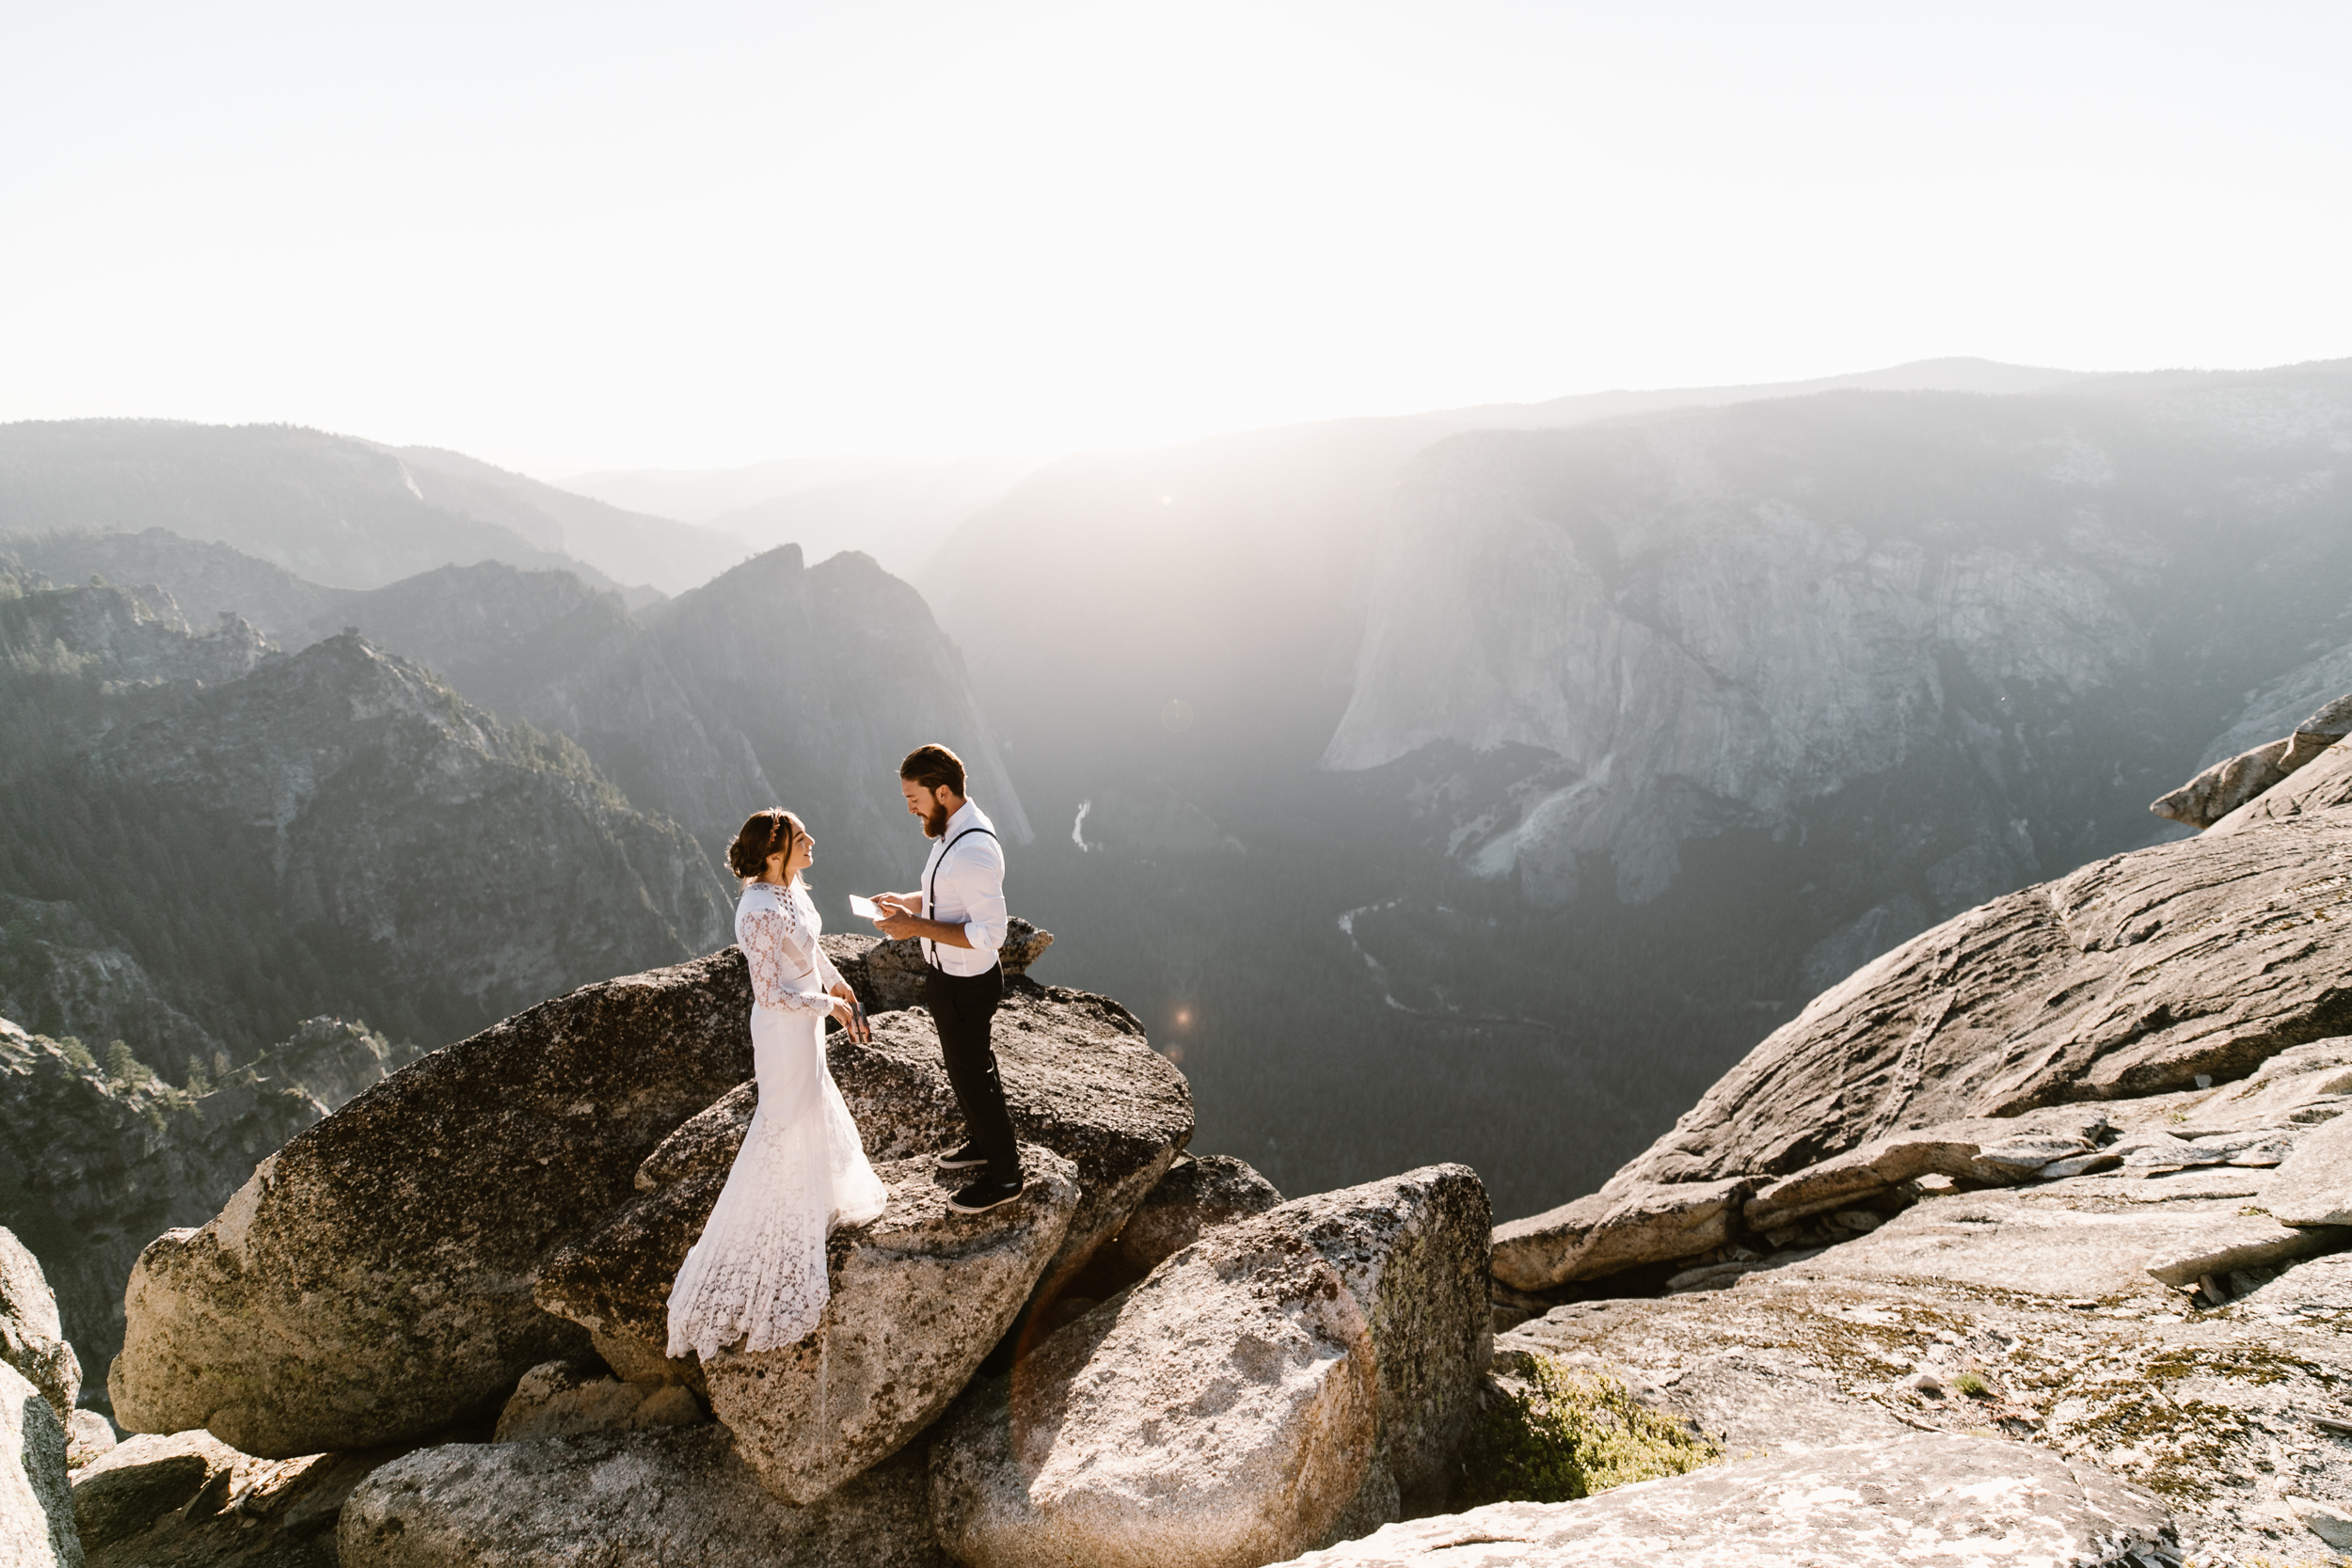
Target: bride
{"points": [[755, 1280]]}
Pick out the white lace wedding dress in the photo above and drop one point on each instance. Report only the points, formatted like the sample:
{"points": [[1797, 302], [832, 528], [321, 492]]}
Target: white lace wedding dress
{"points": [[755, 1279]]}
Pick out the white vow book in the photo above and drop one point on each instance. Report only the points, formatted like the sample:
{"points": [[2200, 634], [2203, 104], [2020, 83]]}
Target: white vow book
{"points": [[863, 908]]}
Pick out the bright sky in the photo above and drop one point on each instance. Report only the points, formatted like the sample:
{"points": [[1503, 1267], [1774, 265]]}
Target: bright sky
{"points": [[580, 236]]}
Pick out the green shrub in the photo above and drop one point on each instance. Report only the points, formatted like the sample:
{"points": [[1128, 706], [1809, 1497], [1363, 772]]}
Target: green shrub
{"points": [[1572, 1433], [124, 1069], [1972, 1385]]}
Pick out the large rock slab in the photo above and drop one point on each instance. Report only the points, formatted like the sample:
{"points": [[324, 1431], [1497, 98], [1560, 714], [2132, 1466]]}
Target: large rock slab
{"points": [[675, 1499], [920, 1296], [1220, 1412], [372, 1280], [2314, 1185], [889, 973], [2221, 789], [31, 1338], [134, 1483], [1195, 1194], [1080, 1079], [191, 1501], [2138, 975], [1920, 1497], [1412, 1249], [36, 1505], [1624, 1225], [1982, 1148]]}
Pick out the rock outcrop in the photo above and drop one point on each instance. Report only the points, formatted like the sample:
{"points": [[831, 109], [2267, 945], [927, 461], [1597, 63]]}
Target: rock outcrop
{"points": [[191, 1500], [2314, 1186], [888, 974], [372, 1280], [36, 1508], [2225, 786], [677, 1500], [920, 1297], [1913, 1497], [2194, 961], [1080, 1079], [1223, 1412], [1195, 1194], [1412, 1250], [31, 1339]]}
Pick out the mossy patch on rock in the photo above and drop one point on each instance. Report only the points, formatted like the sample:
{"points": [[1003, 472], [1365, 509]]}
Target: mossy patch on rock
{"points": [[1552, 1434]]}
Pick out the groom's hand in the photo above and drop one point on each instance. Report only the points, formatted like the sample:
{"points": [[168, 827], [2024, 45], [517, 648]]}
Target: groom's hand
{"points": [[900, 925]]}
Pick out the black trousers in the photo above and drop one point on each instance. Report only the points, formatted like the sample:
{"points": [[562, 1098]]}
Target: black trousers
{"points": [[964, 1006]]}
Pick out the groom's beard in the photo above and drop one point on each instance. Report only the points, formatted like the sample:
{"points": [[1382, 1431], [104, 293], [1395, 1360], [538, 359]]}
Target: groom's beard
{"points": [[935, 823]]}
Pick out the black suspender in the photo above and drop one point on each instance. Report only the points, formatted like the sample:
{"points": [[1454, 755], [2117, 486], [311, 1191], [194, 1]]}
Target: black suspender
{"points": [[931, 895]]}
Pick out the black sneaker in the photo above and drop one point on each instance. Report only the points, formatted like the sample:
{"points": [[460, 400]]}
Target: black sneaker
{"points": [[986, 1194], [966, 1158]]}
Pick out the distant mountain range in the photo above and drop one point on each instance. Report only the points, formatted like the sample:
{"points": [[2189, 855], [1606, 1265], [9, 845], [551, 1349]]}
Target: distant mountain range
{"points": [[332, 510], [1476, 784]]}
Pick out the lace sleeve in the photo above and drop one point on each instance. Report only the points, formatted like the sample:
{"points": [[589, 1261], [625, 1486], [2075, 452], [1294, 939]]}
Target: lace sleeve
{"points": [[771, 939]]}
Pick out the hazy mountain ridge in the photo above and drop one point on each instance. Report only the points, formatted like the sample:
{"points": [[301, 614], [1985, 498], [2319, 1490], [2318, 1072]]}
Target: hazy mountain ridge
{"points": [[332, 510], [629, 546], [1966, 658], [1704, 619], [775, 684]]}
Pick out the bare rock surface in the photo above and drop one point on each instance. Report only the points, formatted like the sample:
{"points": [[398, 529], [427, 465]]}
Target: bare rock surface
{"points": [[890, 973], [193, 1502], [2032, 1312], [2314, 1186], [673, 1499], [1220, 1412], [1413, 1251], [569, 1399], [920, 1297], [35, 1507], [2140, 975], [1196, 1194], [2221, 789], [2077, 1238], [31, 1339], [372, 1280], [1917, 1498], [88, 1436]]}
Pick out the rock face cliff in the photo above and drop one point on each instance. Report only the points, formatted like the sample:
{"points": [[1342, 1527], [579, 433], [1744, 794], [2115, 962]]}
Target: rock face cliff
{"points": [[1709, 621]]}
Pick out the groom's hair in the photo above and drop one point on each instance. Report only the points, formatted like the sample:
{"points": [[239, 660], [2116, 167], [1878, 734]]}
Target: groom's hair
{"points": [[933, 768]]}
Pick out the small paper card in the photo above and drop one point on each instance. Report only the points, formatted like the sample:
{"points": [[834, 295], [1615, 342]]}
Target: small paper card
{"points": [[863, 908]]}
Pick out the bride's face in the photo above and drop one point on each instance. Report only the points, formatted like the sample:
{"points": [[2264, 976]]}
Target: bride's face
{"points": [[798, 858]]}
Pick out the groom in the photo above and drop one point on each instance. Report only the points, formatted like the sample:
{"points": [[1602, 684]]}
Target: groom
{"points": [[959, 915]]}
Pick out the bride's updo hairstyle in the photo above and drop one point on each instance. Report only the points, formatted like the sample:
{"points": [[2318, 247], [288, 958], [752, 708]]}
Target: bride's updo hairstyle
{"points": [[762, 834]]}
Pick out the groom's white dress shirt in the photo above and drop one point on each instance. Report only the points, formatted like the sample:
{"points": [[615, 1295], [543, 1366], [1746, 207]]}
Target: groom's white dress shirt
{"points": [[965, 886]]}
